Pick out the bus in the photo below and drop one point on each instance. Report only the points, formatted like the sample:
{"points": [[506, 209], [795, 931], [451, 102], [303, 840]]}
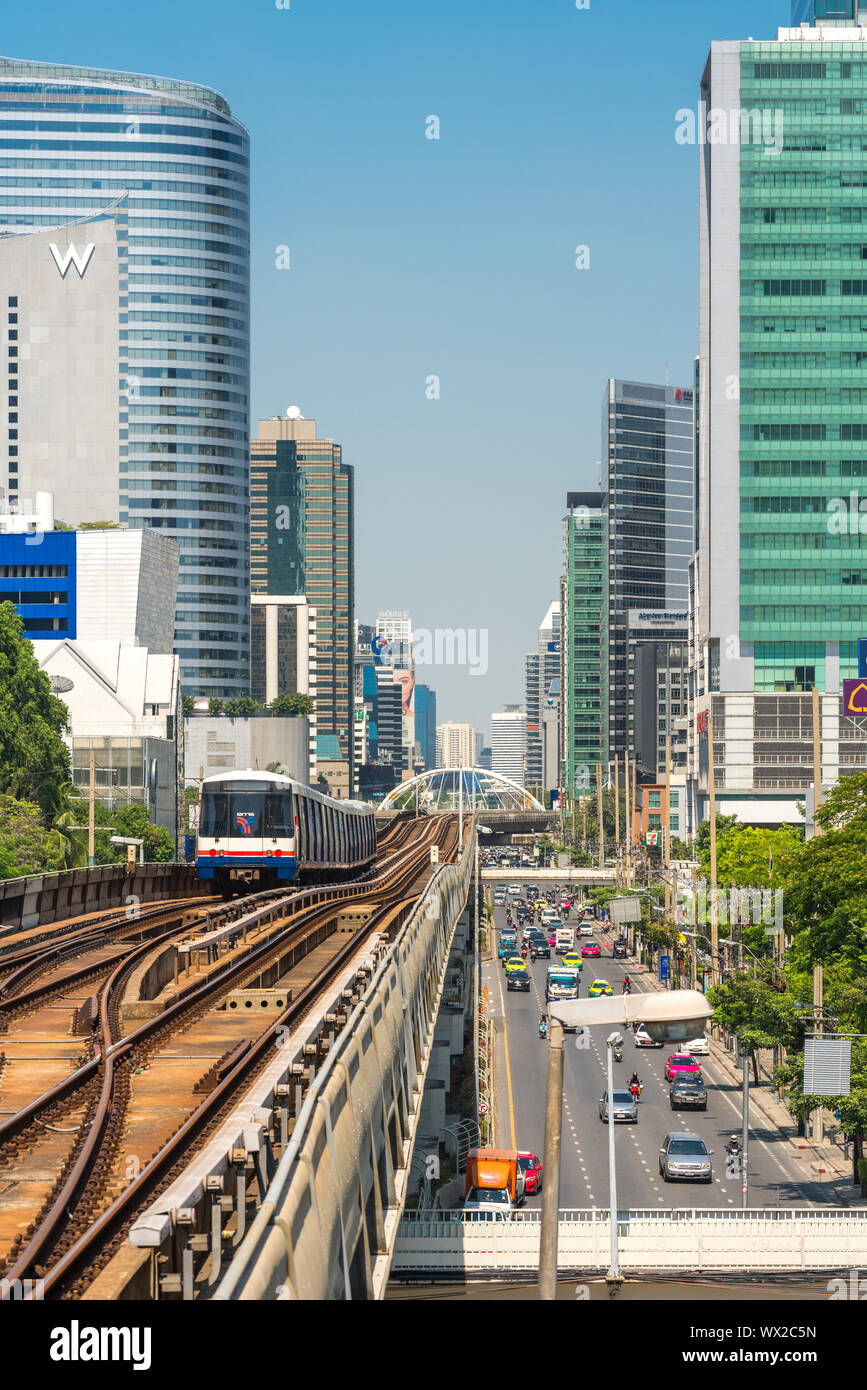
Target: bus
{"points": [[561, 983]]}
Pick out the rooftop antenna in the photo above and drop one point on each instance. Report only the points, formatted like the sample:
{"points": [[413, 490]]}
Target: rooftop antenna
{"points": [[668, 374]]}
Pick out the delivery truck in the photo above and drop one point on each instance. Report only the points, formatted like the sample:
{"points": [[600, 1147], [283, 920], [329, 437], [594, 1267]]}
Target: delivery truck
{"points": [[494, 1178]]}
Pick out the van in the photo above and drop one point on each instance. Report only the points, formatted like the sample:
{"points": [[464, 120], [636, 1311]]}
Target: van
{"points": [[565, 940]]}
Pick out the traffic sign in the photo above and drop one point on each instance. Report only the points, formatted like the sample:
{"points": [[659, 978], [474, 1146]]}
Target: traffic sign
{"points": [[664, 967], [854, 697]]}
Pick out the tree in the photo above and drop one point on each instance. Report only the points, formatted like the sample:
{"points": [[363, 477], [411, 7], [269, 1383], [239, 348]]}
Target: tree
{"points": [[188, 704], [215, 706], [34, 760], [26, 847], [759, 1009], [825, 890], [294, 705]]}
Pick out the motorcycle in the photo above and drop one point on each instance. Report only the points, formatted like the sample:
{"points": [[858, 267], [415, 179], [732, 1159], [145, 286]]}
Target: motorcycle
{"points": [[734, 1147], [543, 1030], [635, 1089], [618, 1053], [627, 986]]}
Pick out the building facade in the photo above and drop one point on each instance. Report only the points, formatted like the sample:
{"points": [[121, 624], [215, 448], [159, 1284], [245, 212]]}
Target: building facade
{"points": [[426, 726], [76, 141], [302, 535], [782, 428], [457, 745], [584, 641], [508, 741], [541, 667]]}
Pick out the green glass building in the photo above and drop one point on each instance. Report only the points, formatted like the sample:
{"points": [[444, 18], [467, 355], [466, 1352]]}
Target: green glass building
{"points": [[782, 439], [584, 641]]}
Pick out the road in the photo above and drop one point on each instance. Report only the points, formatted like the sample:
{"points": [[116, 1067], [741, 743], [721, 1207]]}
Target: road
{"points": [[777, 1175]]}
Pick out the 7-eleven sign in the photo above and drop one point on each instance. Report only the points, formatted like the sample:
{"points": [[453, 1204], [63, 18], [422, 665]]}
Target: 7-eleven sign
{"points": [[651, 839]]}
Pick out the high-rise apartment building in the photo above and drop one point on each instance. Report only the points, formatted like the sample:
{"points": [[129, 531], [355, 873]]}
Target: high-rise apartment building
{"points": [[171, 159], [782, 412], [541, 667], [508, 741], [456, 746], [302, 542], [648, 479], [426, 725], [583, 640]]}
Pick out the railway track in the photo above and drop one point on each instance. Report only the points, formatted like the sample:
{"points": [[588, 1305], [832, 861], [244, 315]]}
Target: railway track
{"points": [[91, 1203]]}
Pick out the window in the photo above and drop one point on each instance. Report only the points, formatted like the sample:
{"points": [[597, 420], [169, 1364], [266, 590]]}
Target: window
{"points": [[654, 800]]}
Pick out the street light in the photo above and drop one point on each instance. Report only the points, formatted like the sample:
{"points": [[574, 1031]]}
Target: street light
{"points": [[675, 1017], [612, 1041]]}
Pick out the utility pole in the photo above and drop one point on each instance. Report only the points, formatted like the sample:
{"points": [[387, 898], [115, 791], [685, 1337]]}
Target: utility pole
{"points": [[745, 1132], [617, 818], [666, 831], [628, 822], [817, 759], [91, 812], [599, 815], [551, 1189], [634, 808], [714, 918], [818, 1007], [693, 950]]}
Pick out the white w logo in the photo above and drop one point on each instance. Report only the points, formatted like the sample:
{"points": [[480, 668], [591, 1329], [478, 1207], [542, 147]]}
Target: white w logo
{"points": [[63, 262]]}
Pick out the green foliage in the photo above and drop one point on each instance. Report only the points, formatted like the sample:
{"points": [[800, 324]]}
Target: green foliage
{"points": [[188, 704], [825, 894], [215, 706], [34, 760], [192, 795], [99, 526], [755, 1007], [26, 847], [294, 705]]}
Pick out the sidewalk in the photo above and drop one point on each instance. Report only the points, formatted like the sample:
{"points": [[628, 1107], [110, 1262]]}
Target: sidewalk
{"points": [[823, 1159]]}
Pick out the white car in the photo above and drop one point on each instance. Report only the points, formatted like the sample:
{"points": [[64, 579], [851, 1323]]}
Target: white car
{"points": [[643, 1038], [699, 1047], [514, 890], [585, 929]]}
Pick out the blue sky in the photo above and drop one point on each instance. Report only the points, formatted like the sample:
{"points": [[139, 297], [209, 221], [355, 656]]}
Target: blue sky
{"points": [[453, 257]]}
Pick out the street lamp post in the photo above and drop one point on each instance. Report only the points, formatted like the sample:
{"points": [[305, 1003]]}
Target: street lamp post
{"points": [[673, 1017], [614, 1270]]}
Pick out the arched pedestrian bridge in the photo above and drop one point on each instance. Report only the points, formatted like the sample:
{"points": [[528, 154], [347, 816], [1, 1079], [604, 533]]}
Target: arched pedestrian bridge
{"points": [[507, 807]]}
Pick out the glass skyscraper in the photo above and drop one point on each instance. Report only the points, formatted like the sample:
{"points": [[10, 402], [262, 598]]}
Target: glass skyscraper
{"points": [[75, 140], [584, 642], [783, 420]]}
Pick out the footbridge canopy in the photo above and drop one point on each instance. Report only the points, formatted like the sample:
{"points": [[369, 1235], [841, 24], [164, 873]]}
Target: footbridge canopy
{"points": [[446, 788]]}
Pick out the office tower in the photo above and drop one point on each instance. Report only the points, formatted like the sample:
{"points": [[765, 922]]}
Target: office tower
{"points": [[426, 725], [541, 667], [583, 640], [63, 384], [456, 745], [508, 740], [661, 706], [302, 542], [394, 627], [648, 478], [283, 655], [782, 415], [170, 156]]}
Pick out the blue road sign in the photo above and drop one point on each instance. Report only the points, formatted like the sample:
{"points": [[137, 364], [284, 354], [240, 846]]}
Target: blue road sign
{"points": [[664, 967], [862, 656]]}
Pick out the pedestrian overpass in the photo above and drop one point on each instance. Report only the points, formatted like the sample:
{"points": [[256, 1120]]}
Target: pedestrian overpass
{"points": [[505, 807]]}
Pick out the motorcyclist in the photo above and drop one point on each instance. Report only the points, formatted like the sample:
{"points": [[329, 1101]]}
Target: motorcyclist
{"points": [[543, 1026], [635, 1083], [734, 1145], [627, 985]]}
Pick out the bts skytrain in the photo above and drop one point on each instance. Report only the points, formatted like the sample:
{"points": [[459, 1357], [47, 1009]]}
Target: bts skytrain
{"points": [[262, 828]]}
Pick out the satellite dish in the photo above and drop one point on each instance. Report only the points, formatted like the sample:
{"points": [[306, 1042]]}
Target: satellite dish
{"points": [[294, 413], [60, 684]]}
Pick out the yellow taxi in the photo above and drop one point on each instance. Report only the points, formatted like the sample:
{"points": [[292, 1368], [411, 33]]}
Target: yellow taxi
{"points": [[515, 963], [573, 962], [598, 988]]}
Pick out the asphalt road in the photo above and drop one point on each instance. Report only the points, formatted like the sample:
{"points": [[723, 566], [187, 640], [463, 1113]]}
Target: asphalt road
{"points": [[777, 1176]]}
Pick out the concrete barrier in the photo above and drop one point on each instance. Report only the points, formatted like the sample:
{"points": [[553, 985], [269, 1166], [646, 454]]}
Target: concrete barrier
{"points": [[327, 1227], [42, 899]]}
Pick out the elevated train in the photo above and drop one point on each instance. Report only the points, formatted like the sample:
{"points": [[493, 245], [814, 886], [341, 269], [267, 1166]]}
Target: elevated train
{"points": [[261, 828]]}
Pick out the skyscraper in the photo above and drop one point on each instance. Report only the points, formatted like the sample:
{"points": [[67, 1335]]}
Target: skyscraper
{"points": [[782, 414], [508, 740], [77, 141], [302, 541], [648, 478], [583, 640], [456, 745], [541, 667]]}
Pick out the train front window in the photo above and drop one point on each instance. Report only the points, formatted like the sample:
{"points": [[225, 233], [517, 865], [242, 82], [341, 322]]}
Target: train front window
{"points": [[246, 814], [279, 815], [214, 821]]}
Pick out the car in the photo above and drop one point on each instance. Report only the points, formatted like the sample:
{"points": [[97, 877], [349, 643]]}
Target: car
{"points": [[514, 890], [643, 1038], [681, 1064], [623, 1108], [518, 979], [585, 929], [571, 961], [619, 950], [514, 963], [686, 1157], [531, 1165], [591, 949], [699, 1047], [507, 946], [687, 1091], [598, 988]]}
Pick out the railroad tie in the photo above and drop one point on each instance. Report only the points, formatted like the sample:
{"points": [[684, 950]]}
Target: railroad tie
{"points": [[220, 1069]]}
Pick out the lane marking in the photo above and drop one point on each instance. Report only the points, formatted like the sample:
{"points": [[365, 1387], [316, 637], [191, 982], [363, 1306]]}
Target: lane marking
{"points": [[508, 1067]]}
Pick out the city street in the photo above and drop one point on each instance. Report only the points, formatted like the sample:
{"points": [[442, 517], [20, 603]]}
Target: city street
{"points": [[777, 1176]]}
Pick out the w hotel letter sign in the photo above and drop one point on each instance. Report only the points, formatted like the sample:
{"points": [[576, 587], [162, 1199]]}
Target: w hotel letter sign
{"points": [[63, 262]]}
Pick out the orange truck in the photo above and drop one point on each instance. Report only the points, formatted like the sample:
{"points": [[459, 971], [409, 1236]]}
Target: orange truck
{"points": [[494, 1170]]}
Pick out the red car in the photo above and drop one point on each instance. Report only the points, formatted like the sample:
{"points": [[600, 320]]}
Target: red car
{"points": [[552, 939], [681, 1064], [532, 1169], [590, 949]]}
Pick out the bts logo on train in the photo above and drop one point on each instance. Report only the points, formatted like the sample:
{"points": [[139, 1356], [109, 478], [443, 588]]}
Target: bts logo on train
{"points": [[245, 820]]}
